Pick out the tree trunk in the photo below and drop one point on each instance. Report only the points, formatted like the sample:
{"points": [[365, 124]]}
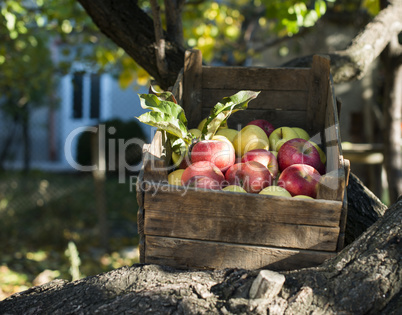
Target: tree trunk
{"points": [[364, 209], [364, 278]]}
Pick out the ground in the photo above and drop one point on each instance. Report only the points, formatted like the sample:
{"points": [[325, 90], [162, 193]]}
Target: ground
{"points": [[45, 216]]}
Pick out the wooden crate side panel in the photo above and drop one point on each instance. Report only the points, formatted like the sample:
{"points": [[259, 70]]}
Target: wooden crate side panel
{"points": [[333, 183], [332, 138], [192, 85], [318, 93], [266, 100], [181, 253], [255, 78], [277, 117], [214, 204], [258, 231]]}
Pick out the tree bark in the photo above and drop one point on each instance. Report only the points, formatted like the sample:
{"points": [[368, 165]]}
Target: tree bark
{"points": [[364, 278], [364, 209], [354, 62], [133, 30]]}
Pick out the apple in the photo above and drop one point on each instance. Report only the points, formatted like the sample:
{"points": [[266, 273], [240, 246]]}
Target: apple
{"points": [[302, 197], [264, 125], [285, 133], [252, 176], [219, 152], [280, 143], [174, 178], [227, 132], [301, 133], [275, 191], [194, 173], [204, 182], [300, 179], [232, 174], [234, 188], [323, 157], [264, 157], [181, 161], [298, 151], [249, 138]]}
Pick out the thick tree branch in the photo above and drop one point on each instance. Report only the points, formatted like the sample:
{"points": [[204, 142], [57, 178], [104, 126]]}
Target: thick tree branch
{"points": [[365, 278], [160, 42], [133, 30], [353, 62]]}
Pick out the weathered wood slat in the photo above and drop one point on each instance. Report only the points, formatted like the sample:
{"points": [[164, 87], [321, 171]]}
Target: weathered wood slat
{"points": [[231, 229], [254, 78], [331, 133], [318, 91], [212, 204], [279, 118], [266, 100], [182, 253], [192, 83]]}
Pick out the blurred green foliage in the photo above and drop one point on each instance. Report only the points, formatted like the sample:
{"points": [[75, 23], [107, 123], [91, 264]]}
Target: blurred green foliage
{"points": [[44, 215], [31, 31]]}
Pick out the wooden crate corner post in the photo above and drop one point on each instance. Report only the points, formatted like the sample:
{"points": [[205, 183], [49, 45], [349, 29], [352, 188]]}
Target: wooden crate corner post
{"points": [[156, 159]]}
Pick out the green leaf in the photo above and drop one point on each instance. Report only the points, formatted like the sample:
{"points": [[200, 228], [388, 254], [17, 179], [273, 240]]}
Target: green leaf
{"points": [[153, 102], [165, 122], [164, 95], [223, 109], [178, 145]]}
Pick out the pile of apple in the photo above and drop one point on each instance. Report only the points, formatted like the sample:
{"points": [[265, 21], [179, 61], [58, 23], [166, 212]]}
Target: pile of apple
{"points": [[259, 159]]}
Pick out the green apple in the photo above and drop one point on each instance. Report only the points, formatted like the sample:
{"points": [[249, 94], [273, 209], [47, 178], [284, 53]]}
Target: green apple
{"points": [[174, 178], [249, 138], [234, 188], [274, 153], [280, 143], [301, 133], [281, 133], [303, 197], [228, 133], [275, 191], [323, 157]]}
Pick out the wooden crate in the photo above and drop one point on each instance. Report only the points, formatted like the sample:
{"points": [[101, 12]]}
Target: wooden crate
{"points": [[186, 228]]}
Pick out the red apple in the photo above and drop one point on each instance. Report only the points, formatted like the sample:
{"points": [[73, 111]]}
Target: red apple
{"points": [[251, 175], [264, 125], [298, 151], [233, 173], [219, 152], [300, 179], [193, 174], [204, 182], [264, 157]]}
